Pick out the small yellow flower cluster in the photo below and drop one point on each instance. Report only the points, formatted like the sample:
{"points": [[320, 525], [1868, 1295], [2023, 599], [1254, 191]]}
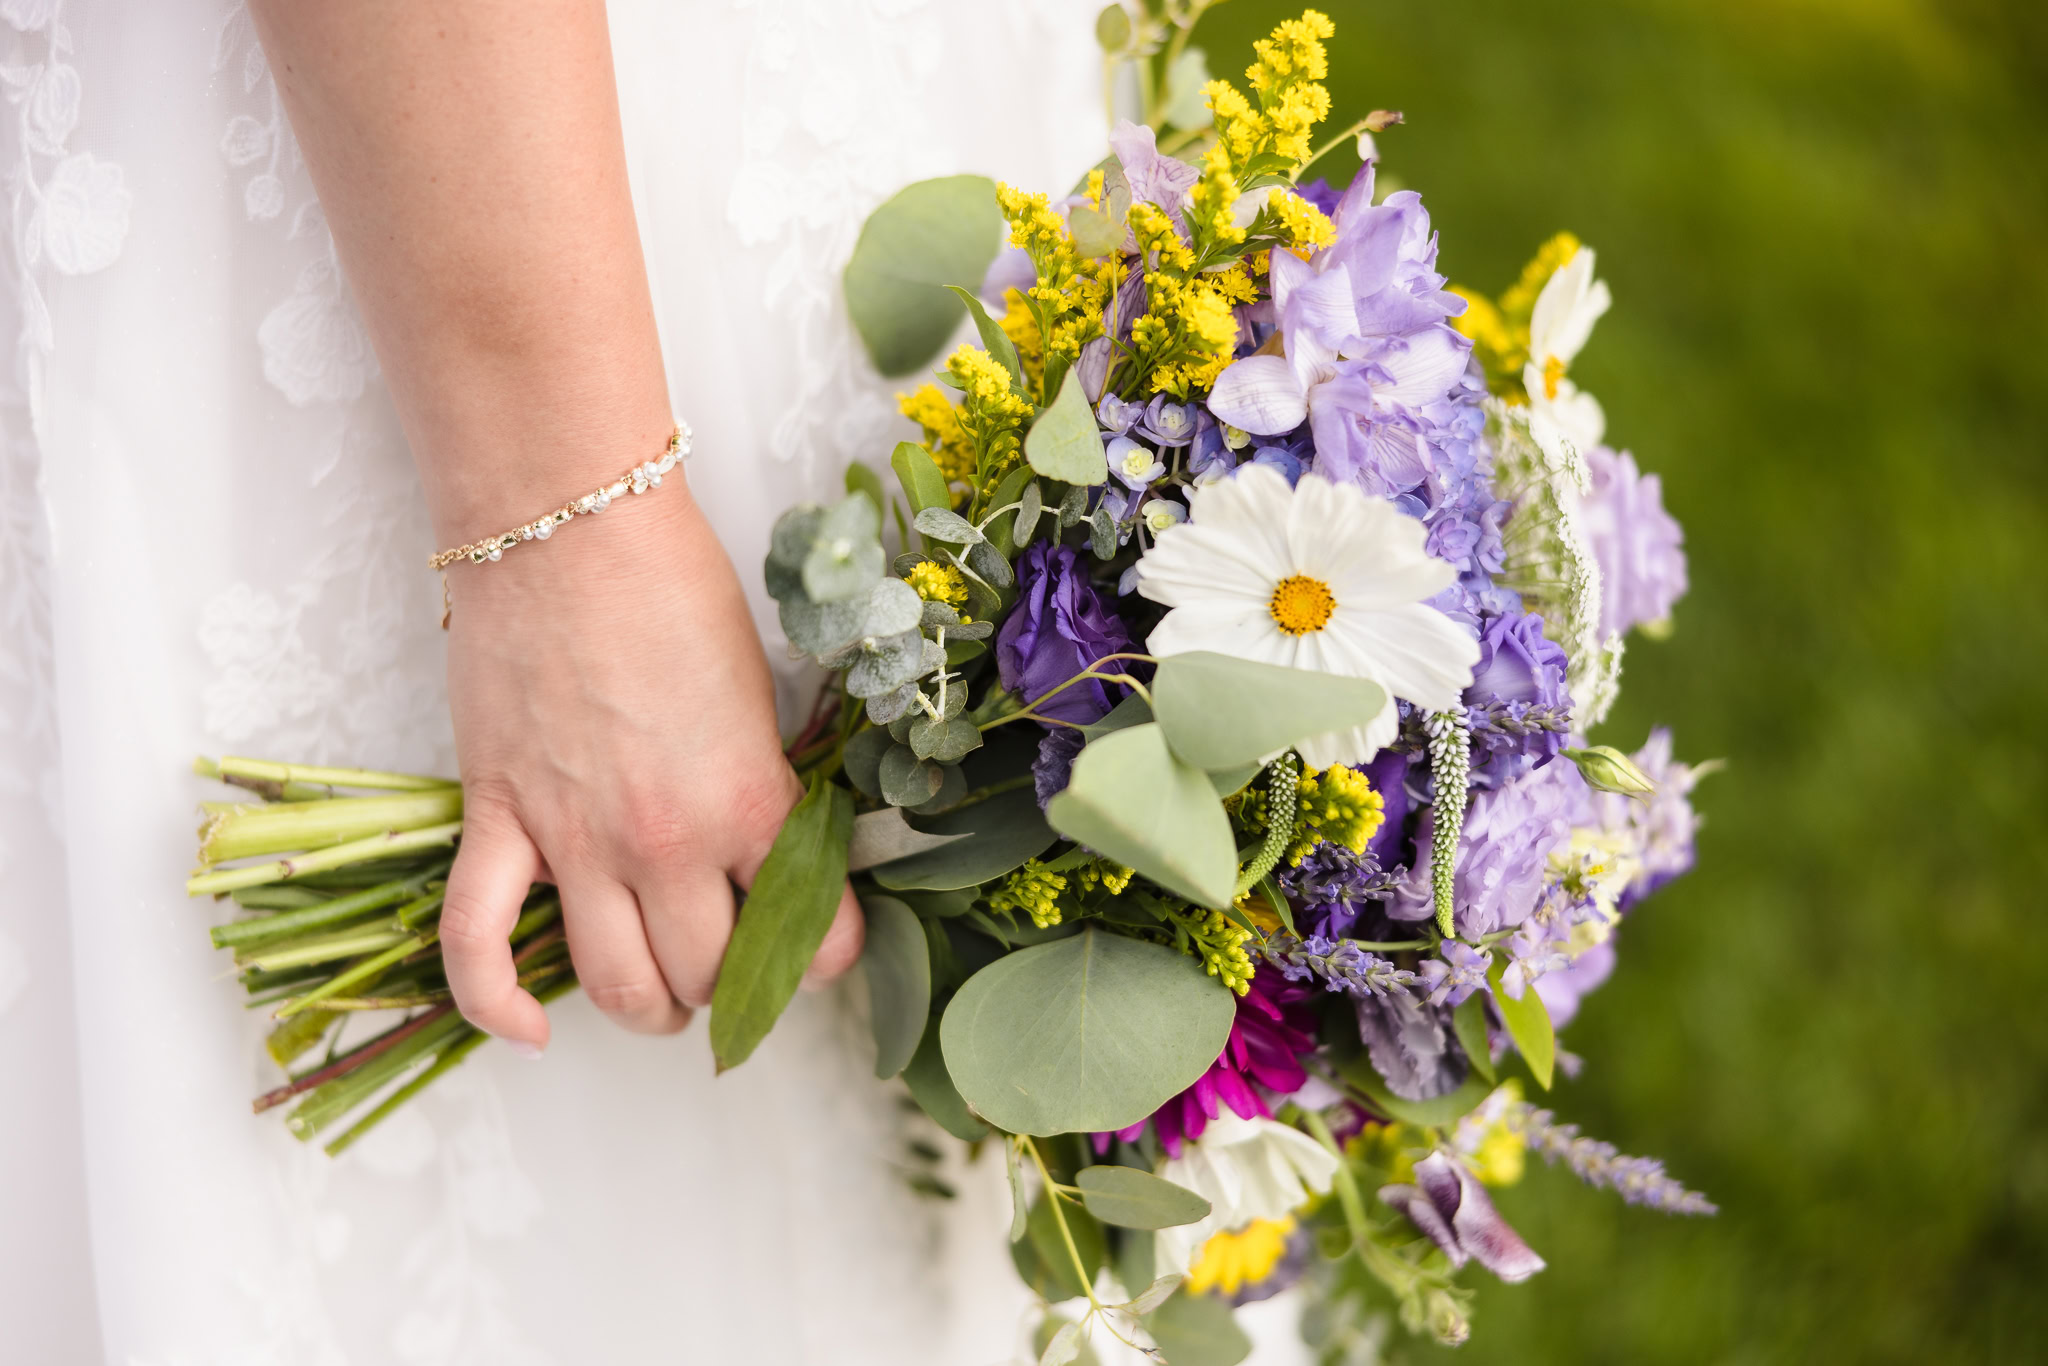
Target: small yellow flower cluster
{"points": [[1189, 331], [1337, 804], [1112, 877], [1232, 1260], [1500, 329], [1303, 226], [1212, 202], [1219, 943], [1035, 890], [950, 449], [937, 582], [1286, 78], [992, 417], [1069, 293]]}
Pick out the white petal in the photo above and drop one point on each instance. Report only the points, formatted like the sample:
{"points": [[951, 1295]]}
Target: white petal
{"points": [[1415, 651], [1369, 552], [1241, 634], [1571, 302], [1261, 395], [1191, 564]]}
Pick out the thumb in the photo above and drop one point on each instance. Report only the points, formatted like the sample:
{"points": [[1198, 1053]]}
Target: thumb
{"points": [[494, 868]]}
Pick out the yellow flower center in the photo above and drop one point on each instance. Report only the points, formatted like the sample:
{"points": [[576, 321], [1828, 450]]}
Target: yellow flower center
{"points": [[1301, 604], [1553, 371], [1231, 1261]]}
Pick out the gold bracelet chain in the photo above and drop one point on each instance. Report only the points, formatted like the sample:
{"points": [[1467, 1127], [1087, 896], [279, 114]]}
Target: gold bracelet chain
{"points": [[638, 479]]}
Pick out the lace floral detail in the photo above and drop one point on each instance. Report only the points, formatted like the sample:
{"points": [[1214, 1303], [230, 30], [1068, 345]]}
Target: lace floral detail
{"points": [[313, 343]]}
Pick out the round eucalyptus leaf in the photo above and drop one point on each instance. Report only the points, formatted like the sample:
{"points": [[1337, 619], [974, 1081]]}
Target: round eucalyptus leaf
{"points": [[886, 664], [899, 969], [985, 560], [893, 607], [796, 531], [907, 779], [1130, 1198], [1005, 830], [943, 524], [952, 787], [840, 568], [891, 705], [1030, 508], [1220, 712], [1065, 443], [1088, 1033], [1132, 799], [927, 236], [863, 759]]}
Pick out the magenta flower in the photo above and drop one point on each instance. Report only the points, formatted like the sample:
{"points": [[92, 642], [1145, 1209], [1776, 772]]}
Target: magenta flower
{"points": [[1272, 1032]]}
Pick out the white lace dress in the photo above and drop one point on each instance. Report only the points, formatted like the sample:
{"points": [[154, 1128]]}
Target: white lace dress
{"points": [[213, 542]]}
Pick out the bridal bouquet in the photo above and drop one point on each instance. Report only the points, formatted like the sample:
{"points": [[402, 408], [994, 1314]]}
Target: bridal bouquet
{"points": [[1206, 734]]}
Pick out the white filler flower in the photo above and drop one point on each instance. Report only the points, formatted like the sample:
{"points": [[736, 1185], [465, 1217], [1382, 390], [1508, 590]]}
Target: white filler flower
{"points": [[1571, 302], [1319, 576], [1246, 1169]]}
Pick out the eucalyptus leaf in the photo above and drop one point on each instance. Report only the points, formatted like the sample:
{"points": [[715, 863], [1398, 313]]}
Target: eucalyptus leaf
{"points": [[822, 628], [1065, 443], [948, 741], [943, 524], [1090, 1033], [883, 836], [1154, 1295], [983, 602], [846, 557], [1102, 534], [887, 663], [1095, 232], [784, 919], [1019, 1207], [939, 905], [1045, 1238], [1468, 1022], [889, 706], [993, 339], [1220, 712], [1001, 529], [862, 758], [952, 787], [1030, 509], [893, 607], [927, 236], [907, 561], [1187, 105], [1528, 1024], [934, 1092], [1198, 1330], [1074, 505], [860, 479], [1131, 799], [907, 778], [1130, 1198], [985, 560], [899, 969], [1005, 830], [969, 630], [935, 613], [795, 532], [1064, 1347]]}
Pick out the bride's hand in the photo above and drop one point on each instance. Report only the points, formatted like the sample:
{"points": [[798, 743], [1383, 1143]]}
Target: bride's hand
{"points": [[616, 726]]}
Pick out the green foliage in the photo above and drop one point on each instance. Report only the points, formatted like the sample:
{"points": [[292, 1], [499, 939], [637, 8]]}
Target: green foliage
{"points": [[1130, 798], [1043, 1259], [932, 1088], [1198, 1330], [1222, 713], [899, 969], [1001, 833], [922, 483], [1469, 1022], [1528, 1024], [1092, 1032], [1130, 1198], [1065, 443], [1444, 1109], [924, 238], [784, 920], [994, 340]]}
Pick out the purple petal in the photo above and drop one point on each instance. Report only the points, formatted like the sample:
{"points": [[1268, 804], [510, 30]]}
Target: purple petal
{"points": [[1421, 1213], [1261, 395], [1483, 1233]]}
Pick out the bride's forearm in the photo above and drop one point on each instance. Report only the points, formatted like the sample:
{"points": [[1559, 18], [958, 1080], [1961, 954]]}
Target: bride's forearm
{"points": [[469, 160]]}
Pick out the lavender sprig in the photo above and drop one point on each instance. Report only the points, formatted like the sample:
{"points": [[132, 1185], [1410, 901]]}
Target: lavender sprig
{"points": [[1638, 1180], [1339, 964]]}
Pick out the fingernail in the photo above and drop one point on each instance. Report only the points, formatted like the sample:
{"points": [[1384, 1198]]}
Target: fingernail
{"points": [[522, 1049]]}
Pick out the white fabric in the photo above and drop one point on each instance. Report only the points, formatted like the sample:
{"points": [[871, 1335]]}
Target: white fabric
{"points": [[212, 542]]}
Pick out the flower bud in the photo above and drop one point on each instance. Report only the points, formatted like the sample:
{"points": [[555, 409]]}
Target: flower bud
{"points": [[1607, 769], [1447, 1322]]}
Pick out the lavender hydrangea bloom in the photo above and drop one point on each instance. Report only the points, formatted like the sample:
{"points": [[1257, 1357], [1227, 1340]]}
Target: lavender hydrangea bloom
{"points": [[1510, 833], [1458, 971], [1058, 628], [1518, 708], [1448, 1204], [1639, 546]]}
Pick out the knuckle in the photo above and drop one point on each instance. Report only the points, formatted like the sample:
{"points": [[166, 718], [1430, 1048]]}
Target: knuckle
{"points": [[465, 924], [759, 807], [633, 999]]}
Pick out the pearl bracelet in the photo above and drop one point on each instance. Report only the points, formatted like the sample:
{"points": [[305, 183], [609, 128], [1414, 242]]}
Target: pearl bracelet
{"points": [[638, 479]]}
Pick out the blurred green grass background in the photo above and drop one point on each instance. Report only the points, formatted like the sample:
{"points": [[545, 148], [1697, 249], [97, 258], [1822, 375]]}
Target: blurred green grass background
{"points": [[1826, 227]]}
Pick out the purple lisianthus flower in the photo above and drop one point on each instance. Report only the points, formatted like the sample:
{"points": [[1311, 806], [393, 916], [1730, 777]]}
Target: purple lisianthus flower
{"points": [[1638, 545], [1167, 422], [1449, 1205], [1058, 628], [1057, 750], [1504, 851]]}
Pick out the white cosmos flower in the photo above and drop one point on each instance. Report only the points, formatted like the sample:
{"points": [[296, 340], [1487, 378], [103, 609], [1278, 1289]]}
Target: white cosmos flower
{"points": [[1246, 1169], [1319, 576], [1571, 302]]}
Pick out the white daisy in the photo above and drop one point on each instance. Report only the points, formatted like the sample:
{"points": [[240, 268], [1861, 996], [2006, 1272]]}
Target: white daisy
{"points": [[1319, 576], [1246, 1169], [1571, 302]]}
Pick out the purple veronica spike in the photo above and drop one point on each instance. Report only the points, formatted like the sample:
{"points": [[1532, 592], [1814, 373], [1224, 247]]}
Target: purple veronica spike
{"points": [[1638, 1180], [1449, 1205]]}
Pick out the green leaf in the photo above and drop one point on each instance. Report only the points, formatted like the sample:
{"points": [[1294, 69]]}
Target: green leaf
{"points": [[861, 479], [884, 836], [1131, 1198], [1186, 105], [922, 483], [1131, 799], [908, 779], [1102, 534], [1002, 529], [847, 555], [1198, 1330], [1088, 1033], [885, 664], [947, 741], [1095, 232], [1003, 832], [1031, 509], [1055, 1262], [1065, 443], [1445, 1109], [986, 561], [899, 968], [952, 787], [863, 759], [1468, 1022], [1018, 1205], [782, 923], [993, 339], [927, 236], [933, 1090], [1220, 712], [944, 524], [1528, 1024]]}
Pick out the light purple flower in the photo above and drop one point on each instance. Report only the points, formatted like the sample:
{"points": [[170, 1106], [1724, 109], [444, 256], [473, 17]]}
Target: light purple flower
{"points": [[1167, 422], [1092, 369], [1509, 835], [1518, 708], [1639, 546], [1153, 178], [1137, 466], [1451, 977], [1058, 628], [1117, 416], [1660, 828], [1564, 989], [1410, 1045], [1012, 269], [1449, 1205], [1638, 1180]]}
